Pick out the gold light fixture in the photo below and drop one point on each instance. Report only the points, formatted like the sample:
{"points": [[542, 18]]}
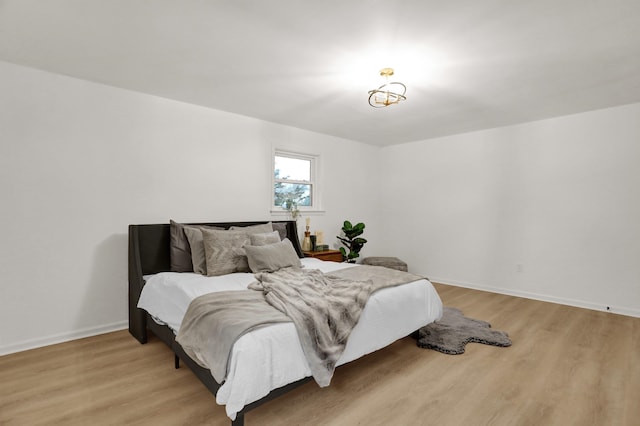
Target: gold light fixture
{"points": [[388, 93]]}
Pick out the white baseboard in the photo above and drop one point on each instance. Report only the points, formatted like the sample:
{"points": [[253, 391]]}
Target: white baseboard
{"points": [[542, 297], [62, 337]]}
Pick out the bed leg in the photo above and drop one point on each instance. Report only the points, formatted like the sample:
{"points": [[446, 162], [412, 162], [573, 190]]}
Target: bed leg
{"points": [[176, 361], [239, 421]]}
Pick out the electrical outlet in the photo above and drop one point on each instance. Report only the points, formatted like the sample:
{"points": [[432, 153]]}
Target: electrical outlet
{"points": [[519, 267]]}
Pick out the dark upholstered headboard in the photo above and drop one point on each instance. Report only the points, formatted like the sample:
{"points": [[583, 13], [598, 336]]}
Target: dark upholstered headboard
{"points": [[149, 254]]}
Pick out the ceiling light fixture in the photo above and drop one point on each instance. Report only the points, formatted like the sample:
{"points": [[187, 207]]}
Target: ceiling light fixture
{"points": [[388, 93]]}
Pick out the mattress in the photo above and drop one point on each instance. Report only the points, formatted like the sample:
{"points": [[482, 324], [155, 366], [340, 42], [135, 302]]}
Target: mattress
{"points": [[270, 357]]}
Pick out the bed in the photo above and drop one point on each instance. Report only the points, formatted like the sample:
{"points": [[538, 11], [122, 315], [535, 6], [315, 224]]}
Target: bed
{"points": [[389, 314]]}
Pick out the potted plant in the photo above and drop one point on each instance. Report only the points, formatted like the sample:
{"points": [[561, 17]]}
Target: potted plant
{"points": [[352, 241]]}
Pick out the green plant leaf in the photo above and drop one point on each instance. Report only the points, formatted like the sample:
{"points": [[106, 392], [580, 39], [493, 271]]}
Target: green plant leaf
{"points": [[353, 233]]}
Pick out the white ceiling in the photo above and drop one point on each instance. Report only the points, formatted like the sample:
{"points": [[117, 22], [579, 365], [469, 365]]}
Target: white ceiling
{"points": [[467, 64]]}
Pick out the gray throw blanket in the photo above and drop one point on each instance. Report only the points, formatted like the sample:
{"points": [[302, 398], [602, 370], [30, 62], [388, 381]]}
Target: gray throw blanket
{"points": [[323, 307], [214, 321]]}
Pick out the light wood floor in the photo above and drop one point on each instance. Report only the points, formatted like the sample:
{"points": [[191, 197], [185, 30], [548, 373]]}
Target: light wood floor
{"points": [[567, 366]]}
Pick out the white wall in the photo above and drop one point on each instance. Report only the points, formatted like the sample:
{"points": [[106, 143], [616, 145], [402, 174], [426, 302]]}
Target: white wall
{"points": [[561, 197], [80, 161]]}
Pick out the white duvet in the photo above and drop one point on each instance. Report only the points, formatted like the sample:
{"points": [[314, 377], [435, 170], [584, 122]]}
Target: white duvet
{"points": [[271, 357]]}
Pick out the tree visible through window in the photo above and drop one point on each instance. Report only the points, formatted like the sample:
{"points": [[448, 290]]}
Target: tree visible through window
{"points": [[293, 180]]}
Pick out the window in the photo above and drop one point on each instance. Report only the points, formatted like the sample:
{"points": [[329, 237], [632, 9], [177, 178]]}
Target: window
{"points": [[294, 181]]}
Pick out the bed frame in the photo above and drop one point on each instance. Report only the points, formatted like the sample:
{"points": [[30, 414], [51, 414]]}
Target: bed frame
{"points": [[149, 254]]}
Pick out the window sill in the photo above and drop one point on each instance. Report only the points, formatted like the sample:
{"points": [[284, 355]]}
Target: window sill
{"points": [[281, 212]]}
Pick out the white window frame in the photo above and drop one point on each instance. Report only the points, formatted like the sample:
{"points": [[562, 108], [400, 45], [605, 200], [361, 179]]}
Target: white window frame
{"points": [[314, 180]]}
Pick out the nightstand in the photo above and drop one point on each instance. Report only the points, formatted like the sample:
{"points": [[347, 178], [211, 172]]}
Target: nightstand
{"points": [[331, 255]]}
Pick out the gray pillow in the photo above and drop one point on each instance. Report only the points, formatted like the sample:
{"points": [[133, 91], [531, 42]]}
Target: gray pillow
{"points": [[254, 229], [225, 252], [264, 239], [180, 248], [281, 227], [194, 235], [272, 257]]}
